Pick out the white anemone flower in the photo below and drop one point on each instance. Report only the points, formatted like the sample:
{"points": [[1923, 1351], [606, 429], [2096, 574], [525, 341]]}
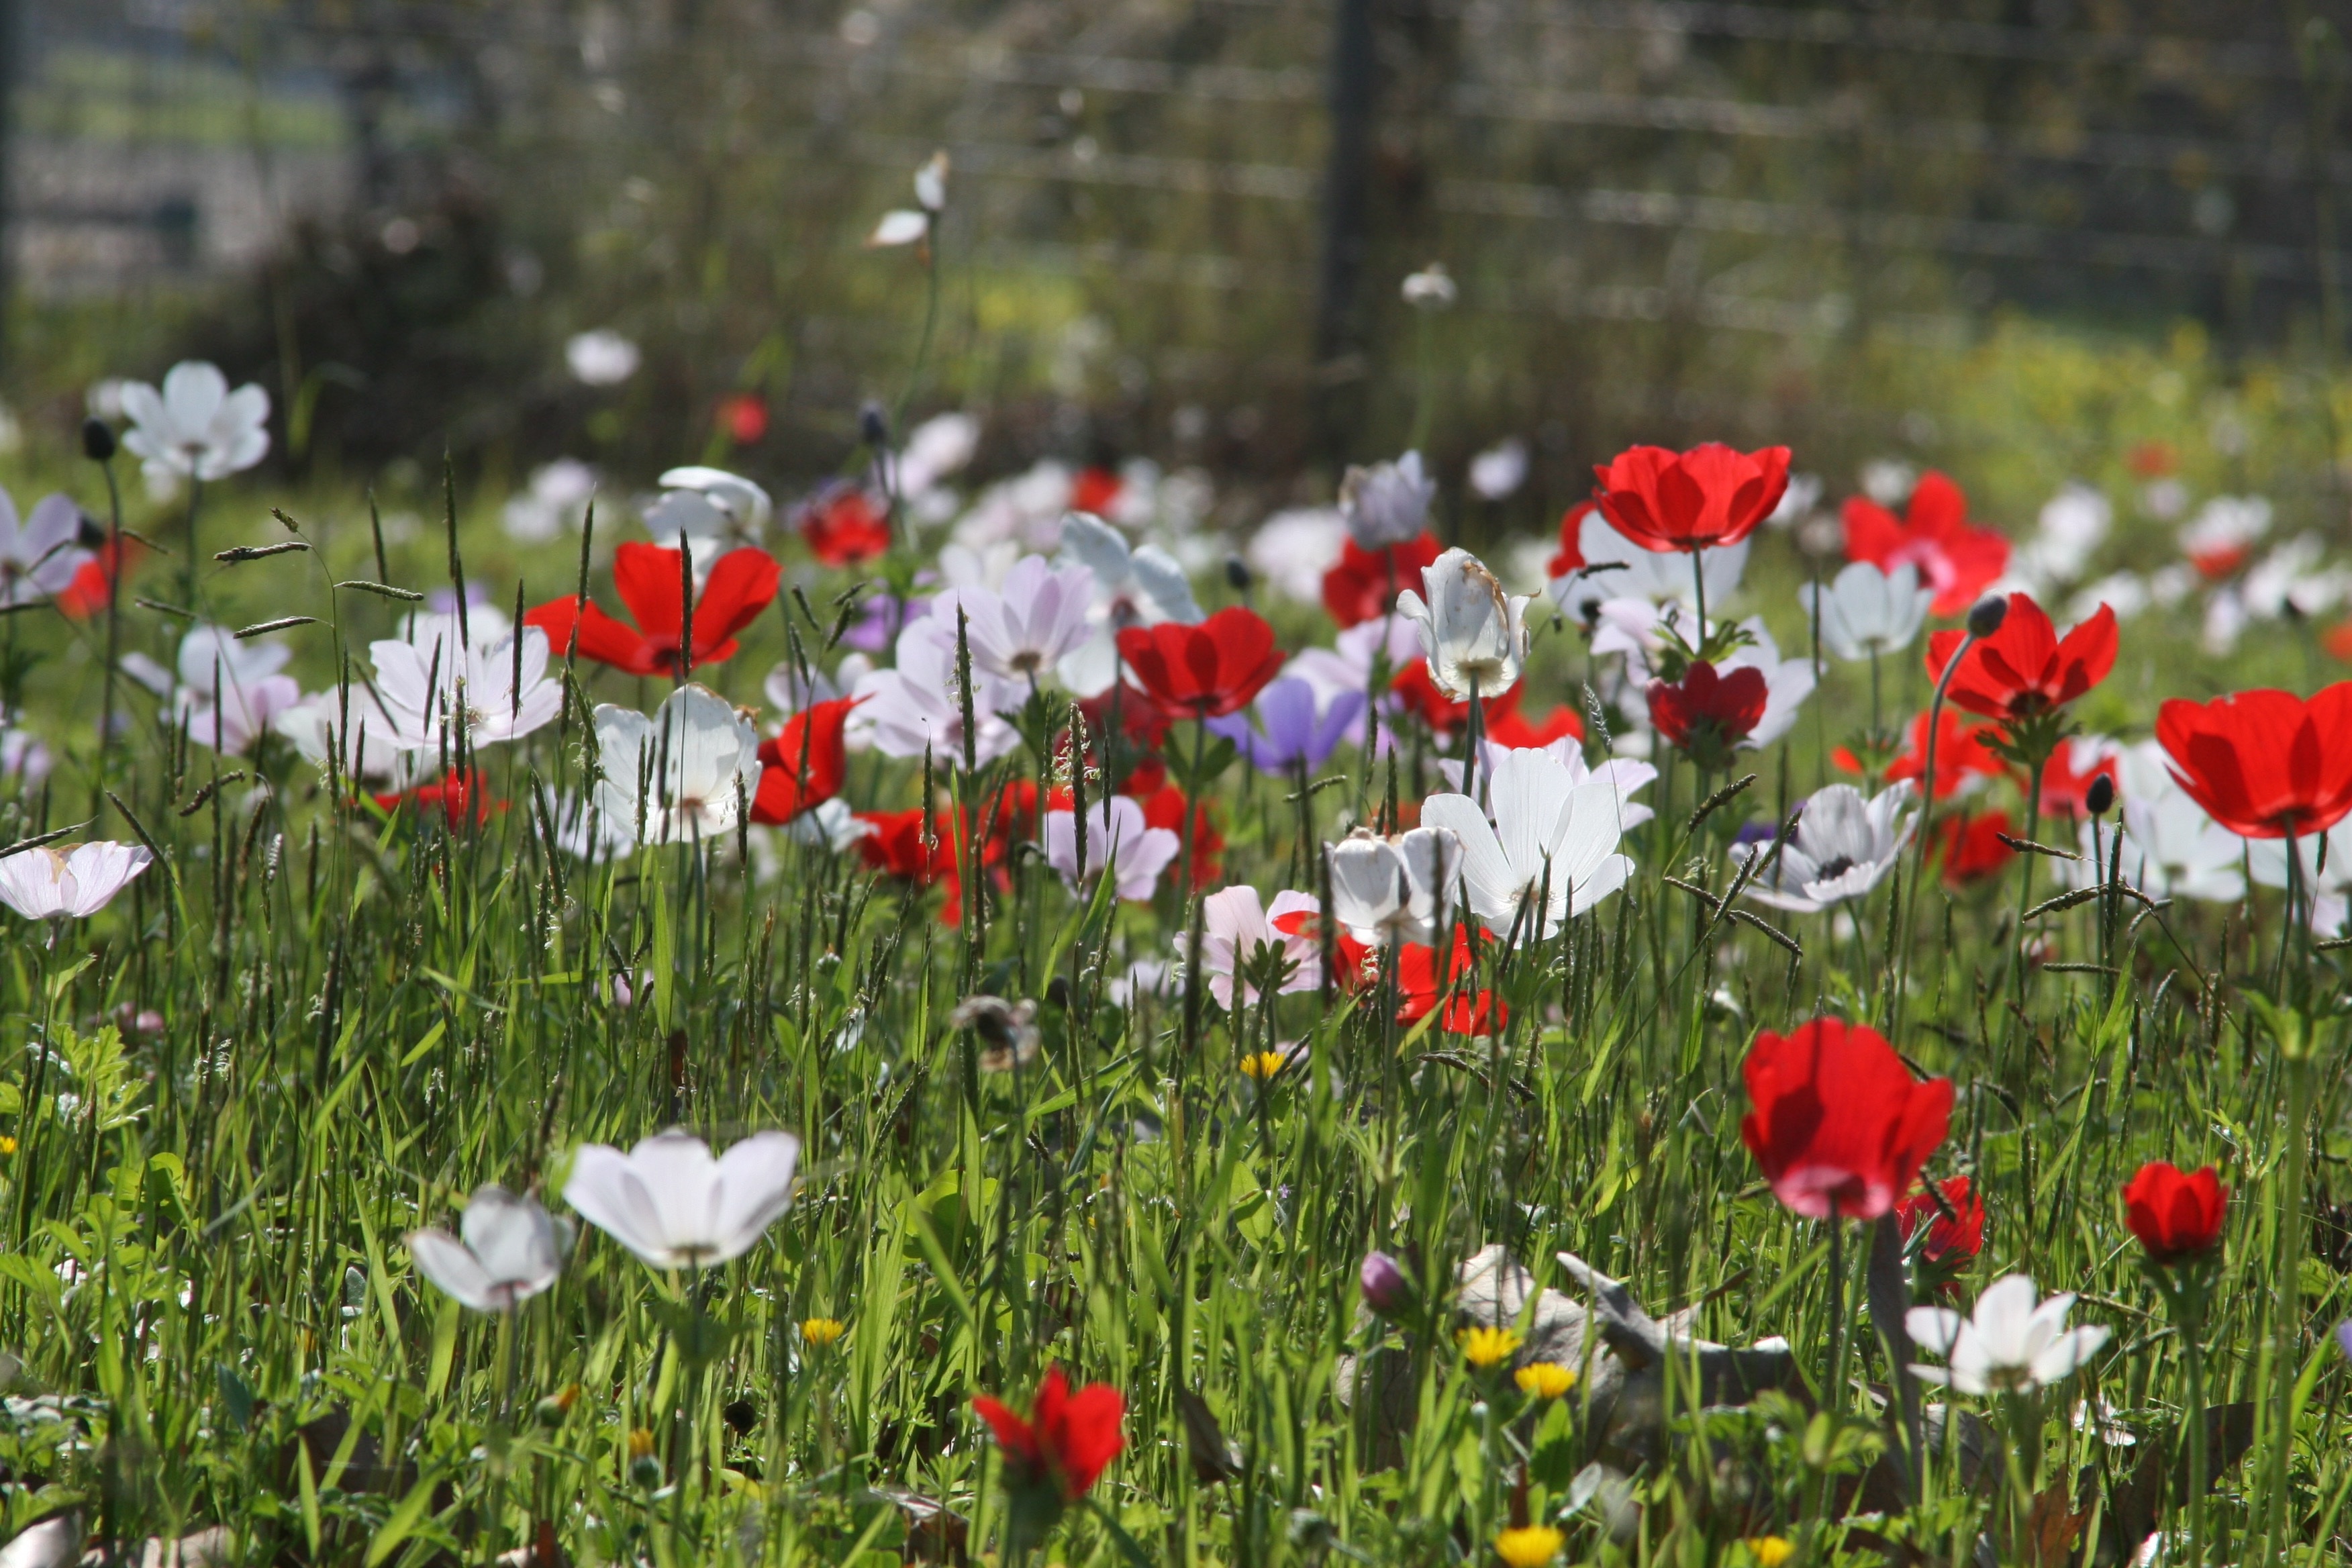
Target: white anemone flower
{"points": [[942, 445], [1551, 846], [690, 768], [1385, 890], [1474, 634], [1292, 550], [1387, 503], [1118, 837], [2266, 858], [1139, 586], [78, 880], [667, 1201], [1236, 930], [919, 706], [1865, 611], [2070, 529], [194, 426], [1040, 616], [700, 503], [1624, 773], [39, 557], [426, 688], [602, 357], [227, 693], [1500, 470], [507, 1250], [1787, 682], [2171, 848], [1844, 847], [557, 498], [2224, 529], [351, 730], [2009, 1345], [1617, 568]]}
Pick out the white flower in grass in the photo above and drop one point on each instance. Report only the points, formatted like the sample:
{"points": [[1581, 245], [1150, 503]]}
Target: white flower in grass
{"points": [[194, 426], [1292, 550], [1474, 634], [1385, 890], [353, 729], [1500, 469], [427, 687], [1038, 618], [557, 498], [1844, 847], [1236, 930], [1139, 586], [78, 881], [227, 693], [1787, 682], [1387, 503], [693, 764], [1866, 611], [2009, 1345], [1115, 837], [667, 1201], [1625, 774], [39, 557], [1551, 846], [939, 445], [507, 1250], [602, 357], [1617, 568], [699, 503], [919, 706]]}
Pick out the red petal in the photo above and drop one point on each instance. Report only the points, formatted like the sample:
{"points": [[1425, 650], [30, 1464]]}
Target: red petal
{"points": [[647, 578]]}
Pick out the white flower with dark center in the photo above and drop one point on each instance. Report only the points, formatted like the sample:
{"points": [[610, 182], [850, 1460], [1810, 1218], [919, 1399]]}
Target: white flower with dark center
{"points": [[1844, 847], [667, 1201], [507, 1250], [353, 730], [1866, 611], [1625, 774], [39, 557], [698, 503], [1393, 889], [919, 706], [1040, 616], [1474, 634], [1387, 503], [1140, 586], [690, 768], [602, 357], [1552, 848], [227, 693], [427, 688], [194, 426], [1237, 932], [76, 880], [2009, 1346], [1116, 837]]}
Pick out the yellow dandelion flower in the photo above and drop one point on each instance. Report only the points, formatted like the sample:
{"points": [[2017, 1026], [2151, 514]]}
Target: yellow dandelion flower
{"points": [[1769, 1551], [7, 1144], [822, 1331], [1546, 1378], [1487, 1347], [1262, 1064], [640, 1443], [1529, 1546]]}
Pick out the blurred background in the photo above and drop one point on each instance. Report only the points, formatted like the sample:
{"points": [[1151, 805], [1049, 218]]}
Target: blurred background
{"points": [[2026, 240]]}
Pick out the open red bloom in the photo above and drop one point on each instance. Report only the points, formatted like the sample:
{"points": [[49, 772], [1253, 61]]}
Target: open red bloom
{"points": [[2177, 1217], [845, 527], [2065, 788], [1961, 753], [1204, 671], [1423, 987], [1570, 556], [648, 577], [744, 417], [1065, 1442], [1164, 807], [1425, 703], [455, 796], [1704, 712], [1971, 847], [1933, 534], [2025, 668], [1953, 1240], [1096, 490], [2264, 764], [1707, 496], [1364, 583], [86, 595], [1840, 1126], [803, 766], [896, 845], [1506, 726]]}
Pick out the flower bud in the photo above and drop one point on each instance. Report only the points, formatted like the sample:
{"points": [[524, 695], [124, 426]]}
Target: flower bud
{"points": [[1986, 618], [874, 425], [2101, 797], [1386, 1289], [98, 440], [1237, 574]]}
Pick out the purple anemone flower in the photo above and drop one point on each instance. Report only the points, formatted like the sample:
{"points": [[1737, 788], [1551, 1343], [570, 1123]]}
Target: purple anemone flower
{"points": [[1290, 730]]}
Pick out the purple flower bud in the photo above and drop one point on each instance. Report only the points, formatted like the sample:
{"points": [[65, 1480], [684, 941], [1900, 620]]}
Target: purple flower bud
{"points": [[1386, 1289], [2343, 1334]]}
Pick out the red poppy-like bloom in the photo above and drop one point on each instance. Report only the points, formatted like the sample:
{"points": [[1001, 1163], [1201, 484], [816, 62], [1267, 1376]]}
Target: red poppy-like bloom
{"points": [[2264, 764], [803, 766], [1704, 709], [1506, 726], [2066, 791], [1363, 585], [2025, 668], [1203, 671], [1065, 1441], [2152, 460], [646, 577], [1423, 987], [2177, 1215], [1164, 807], [1953, 1240], [896, 846], [1840, 1126], [86, 595], [1096, 489], [1971, 847], [743, 415], [1570, 556], [456, 797], [845, 527], [1425, 703], [1961, 753], [1933, 534], [1707, 496], [2336, 639]]}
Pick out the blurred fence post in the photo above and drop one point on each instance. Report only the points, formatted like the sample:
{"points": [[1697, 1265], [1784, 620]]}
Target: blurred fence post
{"points": [[1347, 204]]}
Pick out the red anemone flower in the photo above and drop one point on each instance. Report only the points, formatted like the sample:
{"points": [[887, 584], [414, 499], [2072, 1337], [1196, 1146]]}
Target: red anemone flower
{"points": [[1933, 534], [1364, 584], [87, 594], [2177, 1215], [1971, 847], [803, 766], [1164, 807], [1424, 701], [896, 845], [2025, 668], [1096, 489], [1710, 495], [1570, 556], [1954, 1238], [2264, 764], [1706, 711], [1203, 671], [1423, 987], [1840, 1126], [2065, 790], [1506, 726], [1065, 1442], [845, 527], [648, 577], [1960, 754], [456, 797], [743, 415]]}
